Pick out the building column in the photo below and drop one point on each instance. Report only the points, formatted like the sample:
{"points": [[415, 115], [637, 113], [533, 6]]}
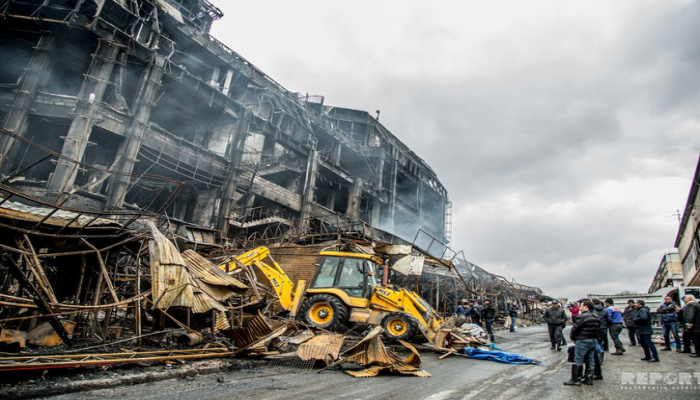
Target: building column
{"points": [[309, 190], [34, 77], [234, 154], [148, 89], [392, 195], [355, 198], [86, 112]]}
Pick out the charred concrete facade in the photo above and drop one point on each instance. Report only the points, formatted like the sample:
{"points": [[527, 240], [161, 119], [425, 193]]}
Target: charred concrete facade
{"points": [[130, 105]]}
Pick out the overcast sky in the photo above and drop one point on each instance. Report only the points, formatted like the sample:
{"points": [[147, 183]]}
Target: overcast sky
{"points": [[566, 132]]}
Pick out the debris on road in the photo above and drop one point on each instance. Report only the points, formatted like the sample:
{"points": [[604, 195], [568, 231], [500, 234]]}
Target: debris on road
{"points": [[499, 356], [374, 357], [114, 296]]}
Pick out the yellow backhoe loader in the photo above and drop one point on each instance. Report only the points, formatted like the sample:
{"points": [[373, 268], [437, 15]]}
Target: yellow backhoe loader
{"points": [[347, 288]]}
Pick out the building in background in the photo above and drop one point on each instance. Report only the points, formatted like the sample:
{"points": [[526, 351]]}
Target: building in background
{"points": [[669, 273], [124, 105], [688, 237]]}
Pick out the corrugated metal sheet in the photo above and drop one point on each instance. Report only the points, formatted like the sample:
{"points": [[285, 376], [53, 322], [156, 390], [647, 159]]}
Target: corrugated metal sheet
{"points": [[321, 347], [258, 327], [58, 218], [171, 281], [173, 285], [371, 353], [296, 261], [206, 271]]}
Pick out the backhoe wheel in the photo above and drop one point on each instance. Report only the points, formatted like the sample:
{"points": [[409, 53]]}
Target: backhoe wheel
{"points": [[399, 326], [324, 311]]}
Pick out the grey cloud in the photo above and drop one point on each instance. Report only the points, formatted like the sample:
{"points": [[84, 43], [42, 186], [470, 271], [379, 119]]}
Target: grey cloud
{"points": [[543, 117]]}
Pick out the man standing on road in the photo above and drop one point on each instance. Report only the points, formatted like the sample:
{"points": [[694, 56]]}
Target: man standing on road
{"points": [[628, 316], [489, 314], [513, 311], [669, 323], [642, 325], [686, 335], [475, 311], [555, 317], [615, 326], [604, 321], [584, 333], [691, 316]]}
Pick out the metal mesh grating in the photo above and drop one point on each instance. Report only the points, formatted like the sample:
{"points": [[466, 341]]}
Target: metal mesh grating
{"points": [[293, 362]]}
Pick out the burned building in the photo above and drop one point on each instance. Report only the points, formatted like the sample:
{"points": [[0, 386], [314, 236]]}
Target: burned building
{"points": [[131, 106]]}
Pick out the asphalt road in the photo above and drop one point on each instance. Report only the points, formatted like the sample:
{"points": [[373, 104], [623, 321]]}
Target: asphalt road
{"points": [[625, 377]]}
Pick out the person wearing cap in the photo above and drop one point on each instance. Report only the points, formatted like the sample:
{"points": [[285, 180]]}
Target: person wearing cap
{"points": [[556, 318]]}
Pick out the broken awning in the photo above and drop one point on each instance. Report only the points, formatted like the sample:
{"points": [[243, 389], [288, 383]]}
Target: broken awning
{"points": [[174, 285]]}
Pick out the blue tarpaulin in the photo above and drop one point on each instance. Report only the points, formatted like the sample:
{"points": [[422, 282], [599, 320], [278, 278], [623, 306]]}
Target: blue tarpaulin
{"points": [[500, 356]]}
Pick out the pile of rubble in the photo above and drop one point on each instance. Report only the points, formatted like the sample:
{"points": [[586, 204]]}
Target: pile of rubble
{"points": [[109, 296]]}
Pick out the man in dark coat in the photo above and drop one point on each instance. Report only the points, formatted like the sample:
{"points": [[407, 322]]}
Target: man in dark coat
{"points": [[475, 311], [669, 323], [642, 325], [686, 336], [489, 314], [584, 334], [555, 317], [604, 321], [628, 315], [513, 312], [691, 317]]}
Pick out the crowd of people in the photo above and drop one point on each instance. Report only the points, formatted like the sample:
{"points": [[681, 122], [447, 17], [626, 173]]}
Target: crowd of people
{"points": [[594, 321], [470, 309]]}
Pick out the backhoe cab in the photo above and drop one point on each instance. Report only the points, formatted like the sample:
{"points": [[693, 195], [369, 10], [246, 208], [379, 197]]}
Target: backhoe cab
{"points": [[347, 288]]}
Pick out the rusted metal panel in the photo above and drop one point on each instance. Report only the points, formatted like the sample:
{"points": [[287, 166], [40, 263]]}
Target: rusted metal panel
{"points": [[257, 328], [13, 339], [174, 286], [372, 354], [207, 272], [321, 347], [172, 283], [87, 360], [45, 336]]}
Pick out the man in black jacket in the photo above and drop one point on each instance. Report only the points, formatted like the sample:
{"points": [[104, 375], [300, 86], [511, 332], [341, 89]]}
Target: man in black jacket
{"points": [[489, 314], [628, 316], [475, 311], [669, 323], [691, 317], [604, 321], [642, 325], [584, 334], [555, 317], [513, 312]]}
